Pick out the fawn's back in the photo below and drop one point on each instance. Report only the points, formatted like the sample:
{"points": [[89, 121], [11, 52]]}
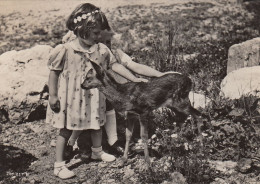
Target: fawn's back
{"points": [[158, 92], [170, 90]]}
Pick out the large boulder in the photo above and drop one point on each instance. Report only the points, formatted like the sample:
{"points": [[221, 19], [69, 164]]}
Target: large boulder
{"points": [[245, 54], [23, 77], [240, 82]]}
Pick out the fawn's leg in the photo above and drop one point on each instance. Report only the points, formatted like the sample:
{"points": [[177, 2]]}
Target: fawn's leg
{"points": [[144, 135], [183, 105], [128, 136]]}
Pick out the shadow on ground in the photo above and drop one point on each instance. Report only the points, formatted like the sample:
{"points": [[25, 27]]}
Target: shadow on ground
{"points": [[14, 159]]}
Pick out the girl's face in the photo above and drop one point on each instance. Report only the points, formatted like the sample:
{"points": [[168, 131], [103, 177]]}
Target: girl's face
{"points": [[93, 38]]}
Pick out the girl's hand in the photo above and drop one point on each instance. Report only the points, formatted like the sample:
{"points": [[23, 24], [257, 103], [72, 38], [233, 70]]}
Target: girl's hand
{"points": [[54, 103], [140, 80]]}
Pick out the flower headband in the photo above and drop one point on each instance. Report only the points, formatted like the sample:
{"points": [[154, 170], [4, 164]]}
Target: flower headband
{"points": [[85, 16]]}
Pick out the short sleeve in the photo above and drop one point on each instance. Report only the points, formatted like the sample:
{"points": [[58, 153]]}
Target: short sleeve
{"points": [[57, 58], [68, 37]]}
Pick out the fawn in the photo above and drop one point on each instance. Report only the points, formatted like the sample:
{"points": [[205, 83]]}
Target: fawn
{"points": [[141, 98]]}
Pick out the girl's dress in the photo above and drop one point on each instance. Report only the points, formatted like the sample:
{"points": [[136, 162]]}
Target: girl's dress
{"points": [[79, 109], [125, 61]]}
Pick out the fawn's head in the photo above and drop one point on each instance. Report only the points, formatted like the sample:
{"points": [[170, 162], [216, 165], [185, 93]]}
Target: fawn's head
{"points": [[93, 78]]}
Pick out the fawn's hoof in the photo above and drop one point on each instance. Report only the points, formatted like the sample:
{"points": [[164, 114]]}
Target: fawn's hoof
{"points": [[144, 167], [122, 162]]}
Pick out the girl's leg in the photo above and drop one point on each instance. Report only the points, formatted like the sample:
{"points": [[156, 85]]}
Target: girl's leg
{"points": [[97, 152], [110, 127], [74, 136], [111, 130], [96, 137], [60, 168], [62, 141]]}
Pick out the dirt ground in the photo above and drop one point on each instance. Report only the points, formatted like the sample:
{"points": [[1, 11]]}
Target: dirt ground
{"points": [[27, 151]]}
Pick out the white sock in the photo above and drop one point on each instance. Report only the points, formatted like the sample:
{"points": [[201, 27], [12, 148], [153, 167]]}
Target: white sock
{"points": [[59, 164], [110, 127]]}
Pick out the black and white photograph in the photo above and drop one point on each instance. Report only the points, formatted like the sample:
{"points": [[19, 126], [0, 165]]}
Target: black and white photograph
{"points": [[129, 91]]}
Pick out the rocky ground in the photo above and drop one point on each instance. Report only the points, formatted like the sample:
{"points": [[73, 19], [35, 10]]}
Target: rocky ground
{"points": [[27, 149]]}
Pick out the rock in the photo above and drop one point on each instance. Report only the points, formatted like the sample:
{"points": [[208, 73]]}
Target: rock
{"points": [[256, 163], [177, 178], [32, 181], [111, 181], [245, 54], [198, 100], [13, 177], [128, 173], [48, 167], [219, 181], [103, 164], [240, 82], [24, 180], [27, 130], [43, 153], [5, 140], [226, 167], [244, 165], [36, 128], [27, 77], [4, 117], [53, 143]]}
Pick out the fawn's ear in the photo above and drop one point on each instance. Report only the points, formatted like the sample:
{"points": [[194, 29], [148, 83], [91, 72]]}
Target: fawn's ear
{"points": [[99, 69]]}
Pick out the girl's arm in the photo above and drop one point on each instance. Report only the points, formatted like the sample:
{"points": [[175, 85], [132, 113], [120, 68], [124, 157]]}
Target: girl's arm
{"points": [[121, 70], [146, 70], [143, 69], [53, 90], [136, 67]]}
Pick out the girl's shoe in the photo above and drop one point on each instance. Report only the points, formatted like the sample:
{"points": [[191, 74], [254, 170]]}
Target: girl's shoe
{"points": [[116, 149], [99, 154], [62, 171]]}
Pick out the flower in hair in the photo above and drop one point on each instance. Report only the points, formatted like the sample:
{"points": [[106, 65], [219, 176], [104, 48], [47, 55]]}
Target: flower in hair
{"points": [[85, 16], [79, 18]]}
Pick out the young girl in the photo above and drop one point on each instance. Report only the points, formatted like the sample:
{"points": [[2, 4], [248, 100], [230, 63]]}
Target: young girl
{"points": [[122, 75], [72, 109]]}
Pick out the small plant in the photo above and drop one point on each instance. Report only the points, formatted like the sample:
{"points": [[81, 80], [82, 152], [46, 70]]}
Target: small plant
{"points": [[181, 149], [235, 129], [167, 51]]}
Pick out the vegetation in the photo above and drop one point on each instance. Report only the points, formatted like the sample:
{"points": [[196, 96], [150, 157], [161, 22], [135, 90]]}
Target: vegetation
{"points": [[191, 38]]}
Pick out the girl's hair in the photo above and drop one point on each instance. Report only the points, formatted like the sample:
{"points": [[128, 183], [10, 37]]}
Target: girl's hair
{"points": [[81, 25]]}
